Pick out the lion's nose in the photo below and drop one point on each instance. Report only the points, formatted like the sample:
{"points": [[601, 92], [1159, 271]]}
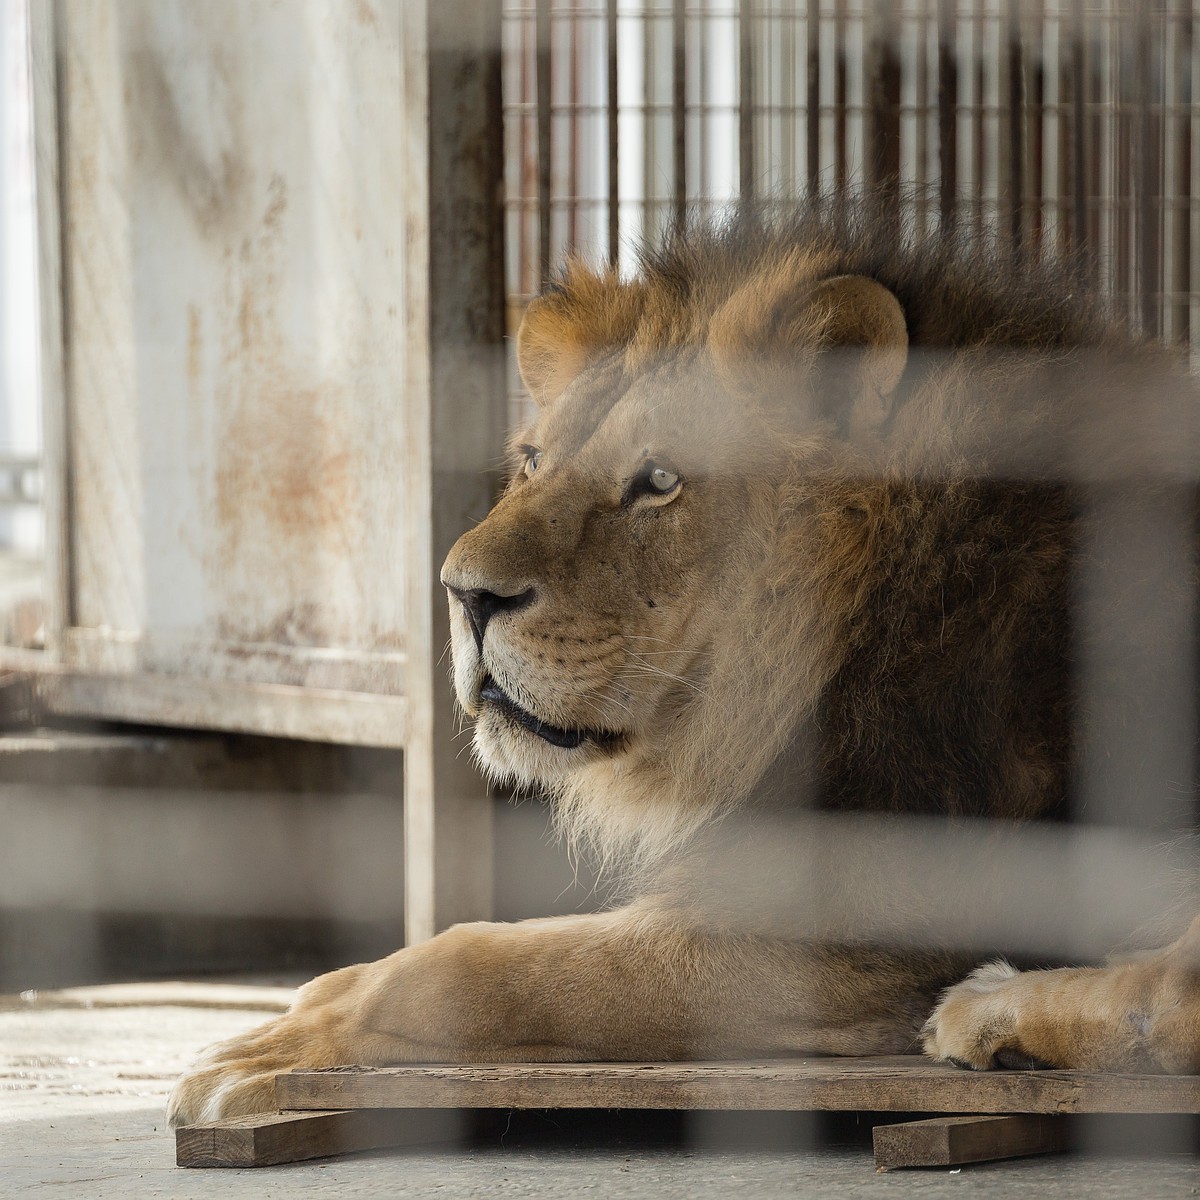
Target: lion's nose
{"points": [[481, 606]]}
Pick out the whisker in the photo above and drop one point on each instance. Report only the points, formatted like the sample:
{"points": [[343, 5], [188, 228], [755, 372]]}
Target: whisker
{"points": [[645, 637], [647, 668]]}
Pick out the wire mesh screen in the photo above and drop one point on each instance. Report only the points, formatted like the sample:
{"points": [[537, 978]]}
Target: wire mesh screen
{"points": [[1060, 127]]}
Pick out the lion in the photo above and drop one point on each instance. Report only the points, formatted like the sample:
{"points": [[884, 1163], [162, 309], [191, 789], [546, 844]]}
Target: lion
{"points": [[786, 562]]}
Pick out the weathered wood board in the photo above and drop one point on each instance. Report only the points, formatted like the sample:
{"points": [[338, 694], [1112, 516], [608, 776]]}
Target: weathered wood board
{"points": [[953, 1141], [883, 1084], [269, 1139], [342, 1109]]}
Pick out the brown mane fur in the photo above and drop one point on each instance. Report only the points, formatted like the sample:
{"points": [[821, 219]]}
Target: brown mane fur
{"points": [[905, 643]]}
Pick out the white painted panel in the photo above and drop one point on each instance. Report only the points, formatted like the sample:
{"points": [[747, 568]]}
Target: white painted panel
{"points": [[235, 222]]}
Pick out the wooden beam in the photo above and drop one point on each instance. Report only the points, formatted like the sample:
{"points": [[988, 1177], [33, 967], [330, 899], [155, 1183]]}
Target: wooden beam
{"points": [[278, 710], [454, 400], [883, 1084], [268, 1139], [952, 1141]]}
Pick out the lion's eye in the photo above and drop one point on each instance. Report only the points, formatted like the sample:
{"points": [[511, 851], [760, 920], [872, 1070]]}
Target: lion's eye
{"points": [[533, 460], [654, 480], [662, 480]]}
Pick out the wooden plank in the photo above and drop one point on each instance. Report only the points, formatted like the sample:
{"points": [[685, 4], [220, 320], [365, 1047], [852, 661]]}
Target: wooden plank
{"points": [[268, 1139], [279, 710], [952, 1141], [883, 1084]]}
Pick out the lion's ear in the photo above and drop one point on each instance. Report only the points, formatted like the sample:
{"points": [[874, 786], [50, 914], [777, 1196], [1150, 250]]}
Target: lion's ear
{"points": [[859, 311], [567, 327], [848, 330]]}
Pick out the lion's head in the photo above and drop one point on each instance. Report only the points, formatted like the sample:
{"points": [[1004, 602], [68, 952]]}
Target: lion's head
{"points": [[795, 524], [613, 634]]}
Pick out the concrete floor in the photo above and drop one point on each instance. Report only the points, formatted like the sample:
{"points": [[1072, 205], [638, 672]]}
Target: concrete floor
{"points": [[84, 1076]]}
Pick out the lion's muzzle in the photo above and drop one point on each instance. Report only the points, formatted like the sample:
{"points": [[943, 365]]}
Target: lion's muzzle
{"points": [[481, 605]]}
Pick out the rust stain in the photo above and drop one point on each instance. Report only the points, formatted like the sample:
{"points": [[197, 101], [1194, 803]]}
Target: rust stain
{"points": [[286, 496], [299, 625], [365, 14], [194, 345], [248, 320], [210, 180], [277, 201], [287, 500], [283, 463]]}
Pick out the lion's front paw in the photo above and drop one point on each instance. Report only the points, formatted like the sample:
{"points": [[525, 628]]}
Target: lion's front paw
{"points": [[213, 1093], [323, 1028], [237, 1077], [977, 1023]]}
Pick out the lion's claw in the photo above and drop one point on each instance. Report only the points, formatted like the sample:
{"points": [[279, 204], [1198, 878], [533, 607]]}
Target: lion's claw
{"points": [[237, 1077], [974, 1024], [215, 1093], [1009, 1058]]}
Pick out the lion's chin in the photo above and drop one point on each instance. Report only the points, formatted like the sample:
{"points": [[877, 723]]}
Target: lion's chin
{"points": [[494, 696]]}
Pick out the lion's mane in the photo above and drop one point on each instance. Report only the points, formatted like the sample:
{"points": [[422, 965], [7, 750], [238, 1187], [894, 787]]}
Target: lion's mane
{"points": [[906, 644]]}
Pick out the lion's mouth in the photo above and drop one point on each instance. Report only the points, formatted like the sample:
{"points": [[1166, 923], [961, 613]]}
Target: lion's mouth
{"points": [[567, 739]]}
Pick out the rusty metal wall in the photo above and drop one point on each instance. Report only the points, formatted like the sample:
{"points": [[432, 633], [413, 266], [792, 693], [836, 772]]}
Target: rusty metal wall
{"points": [[271, 314], [233, 208]]}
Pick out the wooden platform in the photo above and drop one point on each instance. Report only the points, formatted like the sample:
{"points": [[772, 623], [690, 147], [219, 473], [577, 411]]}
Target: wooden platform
{"points": [[338, 1110]]}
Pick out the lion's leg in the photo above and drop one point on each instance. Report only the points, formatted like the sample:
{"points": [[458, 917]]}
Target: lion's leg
{"points": [[1142, 1015], [639, 983]]}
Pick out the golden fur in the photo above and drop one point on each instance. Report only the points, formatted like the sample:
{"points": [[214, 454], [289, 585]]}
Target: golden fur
{"points": [[795, 529]]}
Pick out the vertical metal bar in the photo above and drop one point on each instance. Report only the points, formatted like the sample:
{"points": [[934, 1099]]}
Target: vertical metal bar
{"points": [[1181, 283], [527, 249], [1035, 116], [542, 10], [1148, 172], [812, 112], [454, 407], [978, 116], [654, 147], [679, 104], [614, 113], [922, 116], [1140, 165], [746, 98], [840, 168], [1192, 131], [1085, 151], [947, 101], [1104, 85], [50, 80], [787, 119], [1016, 129], [1072, 121], [883, 102], [1114, 183], [700, 67], [574, 198]]}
